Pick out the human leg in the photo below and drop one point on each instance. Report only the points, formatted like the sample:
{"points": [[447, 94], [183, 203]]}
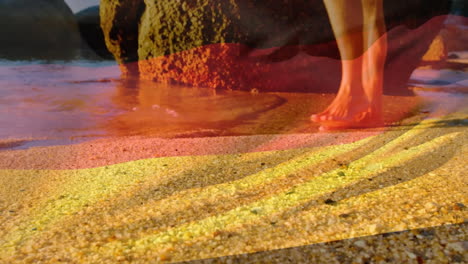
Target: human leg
{"points": [[353, 105], [375, 52]]}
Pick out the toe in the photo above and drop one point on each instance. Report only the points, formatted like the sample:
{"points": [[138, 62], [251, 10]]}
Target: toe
{"points": [[325, 118], [314, 118], [318, 117], [324, 128]]}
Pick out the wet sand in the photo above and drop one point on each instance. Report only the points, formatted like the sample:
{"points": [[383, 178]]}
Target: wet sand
{"points": [[279, 121]]}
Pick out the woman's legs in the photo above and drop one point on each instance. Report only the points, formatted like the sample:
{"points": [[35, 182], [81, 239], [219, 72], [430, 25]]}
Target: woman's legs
{"points": [[357, 24]]}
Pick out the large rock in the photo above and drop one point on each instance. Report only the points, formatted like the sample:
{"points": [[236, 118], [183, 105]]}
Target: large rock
{"points": [[89, 23], [38, 29], [141, 30], [120, 20], [246, 44]]}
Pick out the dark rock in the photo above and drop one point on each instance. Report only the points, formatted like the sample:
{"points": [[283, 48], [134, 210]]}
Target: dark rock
{"points": [[38, 29], [91, 32]]}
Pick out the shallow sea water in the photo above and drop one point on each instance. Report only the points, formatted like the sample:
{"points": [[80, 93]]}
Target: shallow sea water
{"points": [[60, 102], [53, 103]]}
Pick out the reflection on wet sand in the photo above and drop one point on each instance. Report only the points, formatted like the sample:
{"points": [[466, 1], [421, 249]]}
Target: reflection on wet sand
{"points": [[159, 109]]}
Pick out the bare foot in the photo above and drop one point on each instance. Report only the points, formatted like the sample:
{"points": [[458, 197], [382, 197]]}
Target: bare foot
{"points": [[365, 119], [350, 110]]}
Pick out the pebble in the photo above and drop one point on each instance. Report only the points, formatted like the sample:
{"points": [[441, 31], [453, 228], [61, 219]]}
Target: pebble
{"points": [[360, 243], [431, 207], [459, 246], [373, 228], [411, 255], [458, 206]]}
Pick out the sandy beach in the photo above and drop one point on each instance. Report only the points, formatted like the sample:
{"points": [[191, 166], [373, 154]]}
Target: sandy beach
{"points": [[152, 199], [181, 132]]}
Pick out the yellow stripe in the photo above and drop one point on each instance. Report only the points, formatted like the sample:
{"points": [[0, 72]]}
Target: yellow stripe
{"points": [[87, 186], [92, 185], [320, 185]]}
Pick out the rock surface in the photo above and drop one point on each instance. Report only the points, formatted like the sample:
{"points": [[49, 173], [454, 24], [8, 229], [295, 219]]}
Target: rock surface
{"points": [[119, 23], [244, 44], [37, 29], [91, 32]]}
